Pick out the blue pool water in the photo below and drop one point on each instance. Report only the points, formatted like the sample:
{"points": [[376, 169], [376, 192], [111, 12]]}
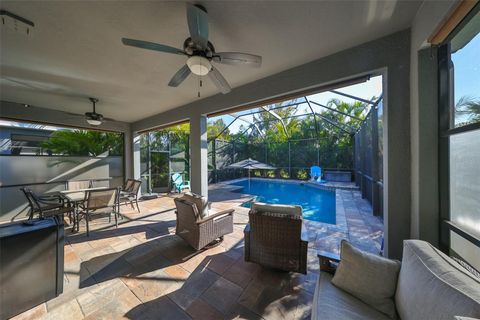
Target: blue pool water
{"points": [[317, 204]]}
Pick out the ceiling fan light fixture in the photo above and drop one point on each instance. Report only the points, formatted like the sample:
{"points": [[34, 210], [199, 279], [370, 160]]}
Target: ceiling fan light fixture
{"points": [[199, 65], [94, 122]]}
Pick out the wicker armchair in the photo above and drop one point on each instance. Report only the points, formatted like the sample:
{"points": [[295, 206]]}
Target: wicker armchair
{"points": [[198, 232], [273, 237]]}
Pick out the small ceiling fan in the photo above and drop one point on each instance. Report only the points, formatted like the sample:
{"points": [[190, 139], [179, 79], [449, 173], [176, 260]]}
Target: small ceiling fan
{"points": [[94, 118], [200, 52]]}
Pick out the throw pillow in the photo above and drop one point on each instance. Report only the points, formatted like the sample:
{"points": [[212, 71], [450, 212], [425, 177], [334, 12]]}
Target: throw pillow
{"points": [[199, 201], [284, 209], [368, 277]]}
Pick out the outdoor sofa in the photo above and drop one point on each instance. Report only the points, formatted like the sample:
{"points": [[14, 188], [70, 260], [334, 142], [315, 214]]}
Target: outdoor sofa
{"points": [[426, 285]]}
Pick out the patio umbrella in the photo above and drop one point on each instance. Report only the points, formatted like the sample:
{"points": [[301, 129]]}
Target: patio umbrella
{"points": [[250, 164]]}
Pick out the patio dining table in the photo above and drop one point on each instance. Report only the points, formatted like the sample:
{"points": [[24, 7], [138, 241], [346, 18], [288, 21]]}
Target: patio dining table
{"points": [[76, 197]]}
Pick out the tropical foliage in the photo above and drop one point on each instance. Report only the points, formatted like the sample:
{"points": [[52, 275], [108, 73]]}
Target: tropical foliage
{"points": [[299, 142], [161, 147], [467, 111], [326, 139], [84, 143]]}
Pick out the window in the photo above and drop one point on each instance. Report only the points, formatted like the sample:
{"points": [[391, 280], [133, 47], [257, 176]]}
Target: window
{"points": [[459, 124], [465, 57]]}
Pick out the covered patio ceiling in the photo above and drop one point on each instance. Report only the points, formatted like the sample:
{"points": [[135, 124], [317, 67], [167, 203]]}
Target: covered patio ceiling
{"points": [[75, 51]]}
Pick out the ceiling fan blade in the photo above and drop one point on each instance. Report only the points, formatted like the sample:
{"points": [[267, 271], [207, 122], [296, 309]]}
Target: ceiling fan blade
{"points": [[238, 58], [219, 81], [181, 75], [151, 46], [197, 24]]}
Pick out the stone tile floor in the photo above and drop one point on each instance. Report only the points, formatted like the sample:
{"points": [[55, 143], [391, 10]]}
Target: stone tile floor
{"points": [[141, 270]]}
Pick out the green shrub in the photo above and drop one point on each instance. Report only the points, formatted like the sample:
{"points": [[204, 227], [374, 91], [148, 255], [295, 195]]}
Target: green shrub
{"points": [[302, 174], [284, 174], [271, 174]]}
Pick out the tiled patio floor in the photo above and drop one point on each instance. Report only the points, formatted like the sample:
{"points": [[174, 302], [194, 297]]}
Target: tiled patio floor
{"points": [[141, 270]]}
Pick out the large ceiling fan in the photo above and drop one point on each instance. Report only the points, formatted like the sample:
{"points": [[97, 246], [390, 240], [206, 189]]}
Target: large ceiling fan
{"points": [[200, 52]]}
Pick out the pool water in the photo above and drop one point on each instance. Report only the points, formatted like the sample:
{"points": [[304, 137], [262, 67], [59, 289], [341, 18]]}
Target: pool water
{"points": [[317, 204]]}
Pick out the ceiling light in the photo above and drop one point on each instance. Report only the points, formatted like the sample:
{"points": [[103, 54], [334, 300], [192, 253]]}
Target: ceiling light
{"points": [[94, 122], [199, 65]]}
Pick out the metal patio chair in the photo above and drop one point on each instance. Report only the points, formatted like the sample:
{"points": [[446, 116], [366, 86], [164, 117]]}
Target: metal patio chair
{"points": [[104, 201], [46, 206], [130, 192], [78, 184]]}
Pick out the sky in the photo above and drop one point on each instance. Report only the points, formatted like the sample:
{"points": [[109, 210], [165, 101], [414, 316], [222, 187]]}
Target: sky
{"points": [[366, 90], [466, 62]]}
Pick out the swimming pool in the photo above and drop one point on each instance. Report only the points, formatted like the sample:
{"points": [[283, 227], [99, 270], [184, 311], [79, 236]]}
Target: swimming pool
{"points": [[317, 204]]}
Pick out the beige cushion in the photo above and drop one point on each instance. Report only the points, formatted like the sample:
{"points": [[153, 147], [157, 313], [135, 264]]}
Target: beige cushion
{"points": [[370, 278], [433, 286], [277, 208], [200, 202], [331, 303]]}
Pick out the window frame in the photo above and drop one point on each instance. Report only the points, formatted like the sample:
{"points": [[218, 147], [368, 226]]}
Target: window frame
{"points": [[446, 128]]}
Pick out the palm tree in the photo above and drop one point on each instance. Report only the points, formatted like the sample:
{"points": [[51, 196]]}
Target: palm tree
{"points": [[469, 108], [84, 143]]}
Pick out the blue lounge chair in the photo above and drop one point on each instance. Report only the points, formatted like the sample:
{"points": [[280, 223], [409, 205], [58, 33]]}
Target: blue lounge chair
{"points": [[316, 174], [178, 183]]}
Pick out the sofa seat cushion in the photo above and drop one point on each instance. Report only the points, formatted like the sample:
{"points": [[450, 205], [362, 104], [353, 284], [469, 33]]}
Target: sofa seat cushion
{"points": [[431, 285], [331, 302]]}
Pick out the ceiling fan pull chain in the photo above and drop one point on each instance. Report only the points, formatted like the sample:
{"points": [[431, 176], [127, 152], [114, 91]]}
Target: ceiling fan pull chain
{"points": [[198, 88]]}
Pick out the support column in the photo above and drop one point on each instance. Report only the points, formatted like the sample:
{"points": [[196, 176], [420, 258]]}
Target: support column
{"points": [[199, 155], [136, 158], [128, 154]]}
